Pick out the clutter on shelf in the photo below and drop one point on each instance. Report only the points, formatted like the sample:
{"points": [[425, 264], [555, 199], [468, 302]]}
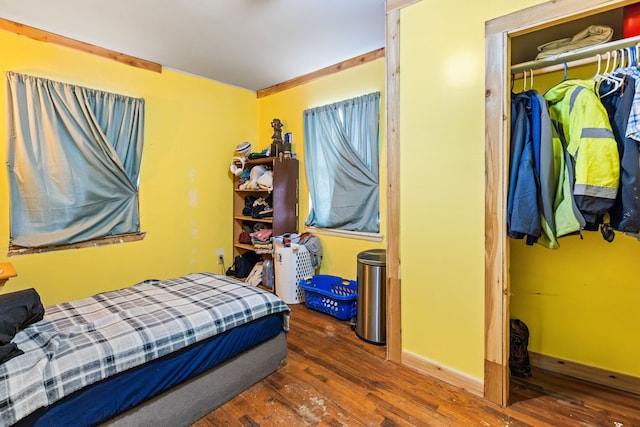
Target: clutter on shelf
{"points": [[259, 177], [258, 235]]}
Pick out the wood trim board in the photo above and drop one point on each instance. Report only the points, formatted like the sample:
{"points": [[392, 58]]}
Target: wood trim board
{"points": [[332, 69], [592, 374], [100, 241], [393, 5], [392, 141], [496, 307], [45, 36], [442, 373]]}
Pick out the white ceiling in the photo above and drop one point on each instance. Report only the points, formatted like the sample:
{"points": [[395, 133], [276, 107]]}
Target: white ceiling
{"points": [[252, 44]]}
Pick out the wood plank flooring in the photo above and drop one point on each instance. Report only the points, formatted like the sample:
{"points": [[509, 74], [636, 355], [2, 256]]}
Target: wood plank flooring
{"points": [[333, 378]]}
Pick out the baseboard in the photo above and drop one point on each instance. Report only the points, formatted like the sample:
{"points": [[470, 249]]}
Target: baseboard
{"points": [[449, 376], [584, 372]]}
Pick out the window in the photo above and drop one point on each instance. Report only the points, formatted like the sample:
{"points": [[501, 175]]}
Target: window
{"points": [[341, 145], [73, 161]]}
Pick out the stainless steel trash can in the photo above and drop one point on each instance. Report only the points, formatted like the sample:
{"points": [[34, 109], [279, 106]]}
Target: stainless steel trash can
{"points": [[371, 301]]}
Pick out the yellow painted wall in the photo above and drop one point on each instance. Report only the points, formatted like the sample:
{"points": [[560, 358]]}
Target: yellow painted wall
{"points": [[192, 127], [340, 254], [442, 179], [579, 301], [193, 124]]}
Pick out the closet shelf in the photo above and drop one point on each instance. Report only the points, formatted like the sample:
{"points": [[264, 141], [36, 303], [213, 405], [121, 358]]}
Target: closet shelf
{"points": [[582, 56], [252, 219]]}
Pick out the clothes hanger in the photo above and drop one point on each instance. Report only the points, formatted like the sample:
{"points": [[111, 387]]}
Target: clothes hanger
{"points": [[531, 78], [597, 75], [622, 59], [610, 77]]}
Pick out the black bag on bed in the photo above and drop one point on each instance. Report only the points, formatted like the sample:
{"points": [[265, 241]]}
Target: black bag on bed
{"points": [[17, 311], [243, 264], [519, 353]]}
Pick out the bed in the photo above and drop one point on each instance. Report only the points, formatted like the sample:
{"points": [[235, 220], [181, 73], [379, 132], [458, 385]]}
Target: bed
{"points": [[159, 353]]}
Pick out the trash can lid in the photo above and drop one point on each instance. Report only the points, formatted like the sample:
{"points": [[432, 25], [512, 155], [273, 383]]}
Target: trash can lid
{"points": [[373, 257]]}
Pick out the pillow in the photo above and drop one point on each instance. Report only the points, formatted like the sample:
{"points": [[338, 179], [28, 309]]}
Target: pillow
{"points": [[17, 311]]}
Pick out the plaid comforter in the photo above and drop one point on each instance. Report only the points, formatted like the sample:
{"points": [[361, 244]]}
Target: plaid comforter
{"points": [[84, 341]]}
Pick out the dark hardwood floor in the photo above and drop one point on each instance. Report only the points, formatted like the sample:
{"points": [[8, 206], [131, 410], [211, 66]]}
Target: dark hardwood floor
{"points": [[333, 378]]}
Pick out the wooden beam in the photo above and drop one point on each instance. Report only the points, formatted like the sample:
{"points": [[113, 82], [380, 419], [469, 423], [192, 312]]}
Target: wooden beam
{"points": [[392, 141], [45, 36], [496, 279], [393, 5], [332, 69]]}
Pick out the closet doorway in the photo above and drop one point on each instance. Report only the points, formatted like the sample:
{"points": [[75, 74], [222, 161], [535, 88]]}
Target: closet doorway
{"points": [[500, 35]]}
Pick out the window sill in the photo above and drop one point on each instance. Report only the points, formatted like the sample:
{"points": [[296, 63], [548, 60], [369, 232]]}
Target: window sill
{"points": [[371, 237], [102, 241]]}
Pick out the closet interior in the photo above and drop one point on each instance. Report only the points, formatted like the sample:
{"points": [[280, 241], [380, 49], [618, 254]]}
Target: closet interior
{"points": [[579, 297]]}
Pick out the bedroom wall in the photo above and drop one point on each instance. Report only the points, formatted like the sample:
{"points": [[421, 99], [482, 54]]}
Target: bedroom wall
{"points": [[579, 301], [442, 180], [192, 127], [339, 253]]}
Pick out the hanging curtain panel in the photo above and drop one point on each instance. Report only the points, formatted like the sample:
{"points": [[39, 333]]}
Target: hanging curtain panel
{"points": [[341, 143], [73, 159]]}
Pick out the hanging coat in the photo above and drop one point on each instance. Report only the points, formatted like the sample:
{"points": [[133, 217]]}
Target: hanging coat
{"points": [[545, 167], [583, 126], [625, 212], [568, 218], [523, 213]]}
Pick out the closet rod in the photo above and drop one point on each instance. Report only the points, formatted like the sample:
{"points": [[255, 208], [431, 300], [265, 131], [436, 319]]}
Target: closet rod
{"points": [[557, 67], [583, 56]]}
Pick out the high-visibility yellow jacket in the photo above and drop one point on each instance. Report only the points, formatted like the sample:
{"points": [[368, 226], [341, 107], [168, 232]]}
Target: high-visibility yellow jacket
{"points": [[583, 127]]}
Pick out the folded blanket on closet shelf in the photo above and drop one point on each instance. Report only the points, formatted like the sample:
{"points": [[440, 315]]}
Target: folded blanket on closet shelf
{"points": [[593, 35]]}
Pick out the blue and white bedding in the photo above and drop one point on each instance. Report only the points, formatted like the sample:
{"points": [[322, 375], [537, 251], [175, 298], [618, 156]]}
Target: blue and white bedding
{"points": [[85, 341]]}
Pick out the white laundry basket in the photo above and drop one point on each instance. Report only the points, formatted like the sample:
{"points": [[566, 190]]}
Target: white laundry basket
{"points": [[291, 264]]}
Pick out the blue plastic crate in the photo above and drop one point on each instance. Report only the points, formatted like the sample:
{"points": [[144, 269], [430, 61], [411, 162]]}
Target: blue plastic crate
{"points": [[331, 295]]}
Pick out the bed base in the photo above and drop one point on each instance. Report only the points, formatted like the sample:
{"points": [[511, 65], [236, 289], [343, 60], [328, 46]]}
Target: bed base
{"points": [[188, 402]]}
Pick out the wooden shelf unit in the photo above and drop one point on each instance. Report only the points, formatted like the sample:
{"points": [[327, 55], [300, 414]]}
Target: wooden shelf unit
{"points": [[284, 195]]}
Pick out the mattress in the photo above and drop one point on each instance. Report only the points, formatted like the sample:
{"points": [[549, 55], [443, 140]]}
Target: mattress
{"points": [[115, 395], [82, 343]]}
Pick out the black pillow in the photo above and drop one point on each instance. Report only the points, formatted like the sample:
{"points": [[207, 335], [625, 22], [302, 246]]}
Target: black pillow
{"points": [[17, 311]]}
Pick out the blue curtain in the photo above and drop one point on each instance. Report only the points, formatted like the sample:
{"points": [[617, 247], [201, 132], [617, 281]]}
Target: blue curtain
{"points": [[73, 159], [342, 163]]}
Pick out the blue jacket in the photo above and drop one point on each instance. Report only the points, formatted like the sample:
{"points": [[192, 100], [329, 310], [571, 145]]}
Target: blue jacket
{"points": [[523, 212]]}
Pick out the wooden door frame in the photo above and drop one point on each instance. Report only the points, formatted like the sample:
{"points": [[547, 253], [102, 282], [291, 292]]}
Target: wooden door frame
{"points": [[392, 141], [498, 34]]}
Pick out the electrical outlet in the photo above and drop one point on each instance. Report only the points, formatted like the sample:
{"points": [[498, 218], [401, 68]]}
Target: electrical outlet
{"points": [[220, 253]]}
